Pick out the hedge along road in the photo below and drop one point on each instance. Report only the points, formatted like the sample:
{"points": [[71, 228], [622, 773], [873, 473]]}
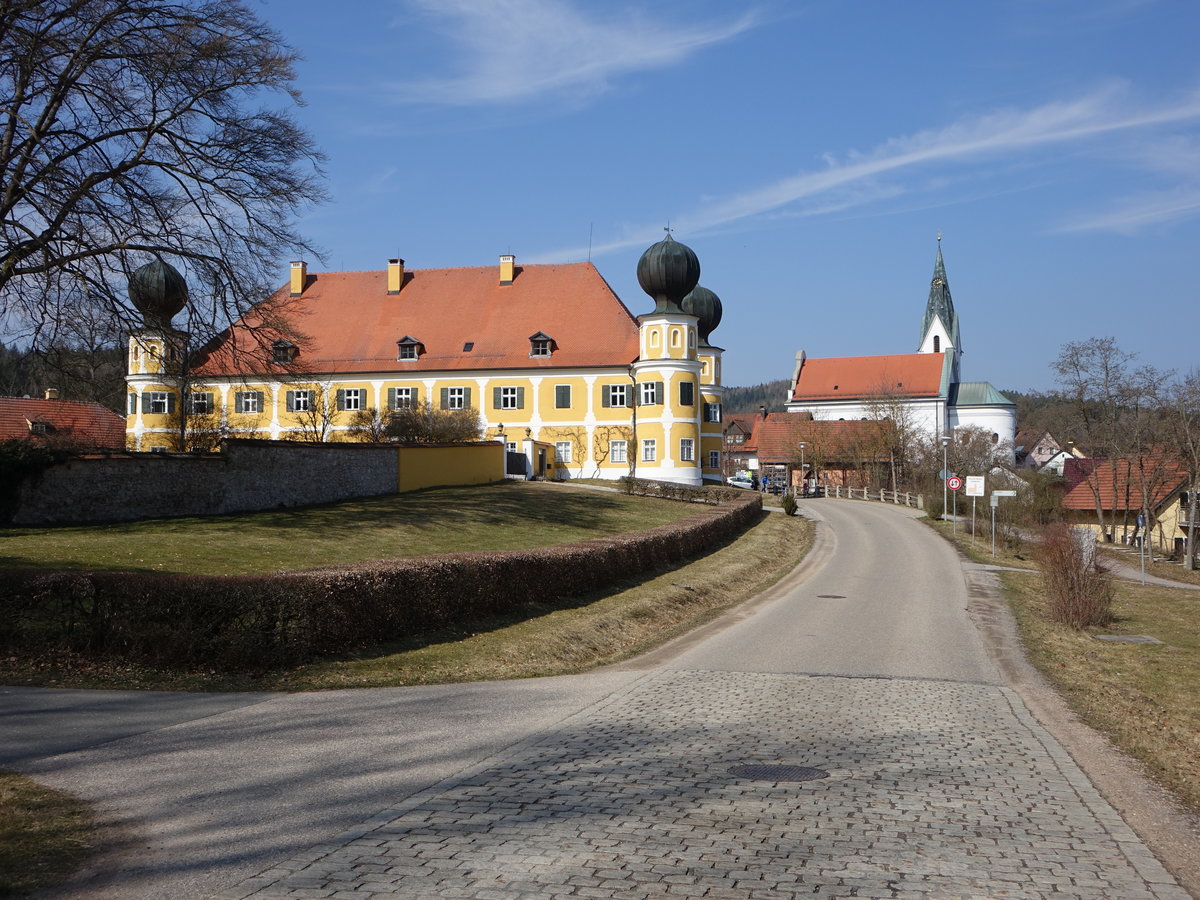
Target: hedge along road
{"points": [[864, 665]]}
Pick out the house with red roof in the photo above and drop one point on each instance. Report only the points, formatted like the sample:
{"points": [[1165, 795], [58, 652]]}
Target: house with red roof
{"points": [[548, 356], [922, 390], [1121, 499], [51, 421]]}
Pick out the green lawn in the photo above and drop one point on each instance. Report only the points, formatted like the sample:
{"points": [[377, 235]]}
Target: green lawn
{"points": [[506, 516]]}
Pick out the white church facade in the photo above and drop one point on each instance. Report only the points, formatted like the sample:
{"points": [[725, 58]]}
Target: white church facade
{"points": [[924, 386]]}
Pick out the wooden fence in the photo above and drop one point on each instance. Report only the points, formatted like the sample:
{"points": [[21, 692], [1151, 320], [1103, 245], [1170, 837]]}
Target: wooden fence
{"points": [[902, 498]]}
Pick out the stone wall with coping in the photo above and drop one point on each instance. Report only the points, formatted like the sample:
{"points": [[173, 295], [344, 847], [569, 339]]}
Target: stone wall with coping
{"points": [[247, 476]]}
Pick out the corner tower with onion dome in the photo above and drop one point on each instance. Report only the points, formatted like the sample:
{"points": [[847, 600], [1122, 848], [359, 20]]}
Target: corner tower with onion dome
{"points": [[156, 350], [668, 397]]}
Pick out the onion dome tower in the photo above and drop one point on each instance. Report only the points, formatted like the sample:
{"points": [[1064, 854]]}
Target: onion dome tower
{"points": [[156, 355], [158, 291], [705, 306], [667, 272]]}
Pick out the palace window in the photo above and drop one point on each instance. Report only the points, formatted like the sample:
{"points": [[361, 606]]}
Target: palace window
{"points": [[687, 393], [651, 393], [158, 402], [283, 352], [616, 395], [351, 399], [200, 403], [562, 451], [649, 450], [456, 398], [714, 459], [687, 450], [541, 344], [562, 396], [402, 398], [299, 401], [712, 413], [508, 398], [248, 401], [616, 451]]}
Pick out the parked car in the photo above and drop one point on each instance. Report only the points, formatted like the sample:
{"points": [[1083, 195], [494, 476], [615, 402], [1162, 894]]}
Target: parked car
{"points": [[741, 483]]}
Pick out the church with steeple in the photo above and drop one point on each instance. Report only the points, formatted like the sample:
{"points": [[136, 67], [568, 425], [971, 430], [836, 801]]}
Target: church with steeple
{"points": [[924, 387]]}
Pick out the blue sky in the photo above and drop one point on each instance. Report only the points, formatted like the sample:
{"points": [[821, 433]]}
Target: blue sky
{"points": [[808, 152]]}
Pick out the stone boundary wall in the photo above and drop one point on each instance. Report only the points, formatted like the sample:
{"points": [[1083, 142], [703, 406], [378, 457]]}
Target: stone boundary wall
{"points": [[247, 476]]}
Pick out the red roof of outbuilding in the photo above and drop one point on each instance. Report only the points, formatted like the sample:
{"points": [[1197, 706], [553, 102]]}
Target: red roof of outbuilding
{"points": [[347, 322], [85, 424], [855, 377], [778, 439], [1119, 482]]}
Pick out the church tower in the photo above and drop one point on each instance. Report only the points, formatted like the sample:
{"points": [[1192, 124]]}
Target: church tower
{"points": [[668, 402], [939, 328], [706, 306], [156, 354]]}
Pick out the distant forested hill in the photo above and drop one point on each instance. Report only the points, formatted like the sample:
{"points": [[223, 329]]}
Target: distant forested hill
{"points": [[772, 395]]}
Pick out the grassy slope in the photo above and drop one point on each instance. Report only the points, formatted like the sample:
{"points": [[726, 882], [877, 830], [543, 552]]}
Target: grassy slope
{"points": [[506, 516]]}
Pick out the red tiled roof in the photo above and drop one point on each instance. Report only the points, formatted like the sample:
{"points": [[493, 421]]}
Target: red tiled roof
{"points": [[347, 322], [855, 377], [88, 424], [778, 439], [1161, 474]]}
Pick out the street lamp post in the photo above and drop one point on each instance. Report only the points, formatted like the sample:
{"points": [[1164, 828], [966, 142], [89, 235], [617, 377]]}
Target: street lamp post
{"points": [[945, 470], [803, 471]]}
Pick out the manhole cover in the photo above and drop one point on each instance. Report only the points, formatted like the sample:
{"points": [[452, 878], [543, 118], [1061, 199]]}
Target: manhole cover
{"points": [[831, 596], [779, 773]]}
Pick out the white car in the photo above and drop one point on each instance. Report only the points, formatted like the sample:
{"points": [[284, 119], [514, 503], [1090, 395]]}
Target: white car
{"points": [[741, 483]]}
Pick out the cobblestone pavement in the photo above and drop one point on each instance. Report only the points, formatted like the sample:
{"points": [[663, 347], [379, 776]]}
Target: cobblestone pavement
{"points": [[933, 789]]}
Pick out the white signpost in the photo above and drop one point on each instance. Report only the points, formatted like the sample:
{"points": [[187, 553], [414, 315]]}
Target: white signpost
{"points": [[995, 499], [974, 489]]}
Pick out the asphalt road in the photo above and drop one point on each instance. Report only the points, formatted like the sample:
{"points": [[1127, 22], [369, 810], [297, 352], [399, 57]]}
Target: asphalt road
{"points": [[868, 662]]}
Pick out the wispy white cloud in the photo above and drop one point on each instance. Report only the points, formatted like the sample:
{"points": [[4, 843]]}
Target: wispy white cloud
{"points": [[860, 178], [510, 51], [1135, 213]]}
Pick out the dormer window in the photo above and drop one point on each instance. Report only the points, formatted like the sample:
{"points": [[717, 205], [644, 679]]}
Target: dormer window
{"points": [[541, 344], [39, 426], [283, 352], [409, 348]]}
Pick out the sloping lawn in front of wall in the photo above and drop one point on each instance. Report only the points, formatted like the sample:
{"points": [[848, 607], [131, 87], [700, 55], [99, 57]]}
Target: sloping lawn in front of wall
{"points": [[506, 516]]}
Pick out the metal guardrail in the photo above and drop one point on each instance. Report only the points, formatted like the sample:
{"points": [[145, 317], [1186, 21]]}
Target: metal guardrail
{"points": [[901, 498]]}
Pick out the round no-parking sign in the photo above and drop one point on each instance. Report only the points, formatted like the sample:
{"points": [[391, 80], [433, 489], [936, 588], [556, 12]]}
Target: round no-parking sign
{"points": [[954, 482]]}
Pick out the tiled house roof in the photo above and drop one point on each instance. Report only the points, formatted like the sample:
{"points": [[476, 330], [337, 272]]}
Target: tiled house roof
{"points": [[778, 440], [855, 377], [1083, 477], [463, 319], [87, 424]]}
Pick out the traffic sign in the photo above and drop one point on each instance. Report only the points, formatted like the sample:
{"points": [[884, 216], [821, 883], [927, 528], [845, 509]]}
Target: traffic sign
{"points": [[975, 485], [954, 482]]}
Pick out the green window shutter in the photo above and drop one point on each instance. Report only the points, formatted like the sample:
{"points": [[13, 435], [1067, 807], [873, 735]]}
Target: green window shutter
{"points": [[412, 397], [562, 396], [659, 393], [291, 401], [132, 404], [687, 393], [520, 398], [466, 398], [606, 396], [261, 397], [445, 401], [496, 398], [391, 398], [341, 399], [171, 403]]}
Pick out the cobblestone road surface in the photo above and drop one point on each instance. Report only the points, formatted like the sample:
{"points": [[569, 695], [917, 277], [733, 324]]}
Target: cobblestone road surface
{"points": [[933, 789]]}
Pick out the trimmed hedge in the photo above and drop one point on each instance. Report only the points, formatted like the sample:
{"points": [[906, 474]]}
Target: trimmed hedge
{"points": [[257, 622]]}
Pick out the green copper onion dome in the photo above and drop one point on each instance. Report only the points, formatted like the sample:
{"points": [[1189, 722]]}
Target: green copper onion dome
{"points": [[158, 291], [705, 306], [667, 271]]}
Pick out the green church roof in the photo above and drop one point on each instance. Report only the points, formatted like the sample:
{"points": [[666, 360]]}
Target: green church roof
{"points": [[940, 304], [977, 393]]}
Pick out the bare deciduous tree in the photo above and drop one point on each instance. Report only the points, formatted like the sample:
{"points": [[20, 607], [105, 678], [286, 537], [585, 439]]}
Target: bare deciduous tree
{"points": [[133, 128]]}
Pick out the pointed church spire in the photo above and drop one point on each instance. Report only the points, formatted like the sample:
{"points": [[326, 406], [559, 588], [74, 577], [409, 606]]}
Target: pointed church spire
{"points": [[940, 304]]}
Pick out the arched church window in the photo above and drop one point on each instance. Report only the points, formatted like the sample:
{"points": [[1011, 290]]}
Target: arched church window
{"points": [[937, 344], [674, 337], [995, 438], [654, 338]]}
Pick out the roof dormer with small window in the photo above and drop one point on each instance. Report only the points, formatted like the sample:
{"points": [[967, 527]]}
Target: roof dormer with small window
{"points": [[409, 347], [541, 345]]}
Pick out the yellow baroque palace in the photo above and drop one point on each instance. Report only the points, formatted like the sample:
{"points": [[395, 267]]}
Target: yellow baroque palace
{"points": [[543, 353]]}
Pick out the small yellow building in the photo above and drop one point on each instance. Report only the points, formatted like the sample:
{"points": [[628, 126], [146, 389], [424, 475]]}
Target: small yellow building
{"points": [[546, 354]]}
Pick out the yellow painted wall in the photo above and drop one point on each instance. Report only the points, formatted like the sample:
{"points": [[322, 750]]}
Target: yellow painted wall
{"points": [[448, 464]]}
